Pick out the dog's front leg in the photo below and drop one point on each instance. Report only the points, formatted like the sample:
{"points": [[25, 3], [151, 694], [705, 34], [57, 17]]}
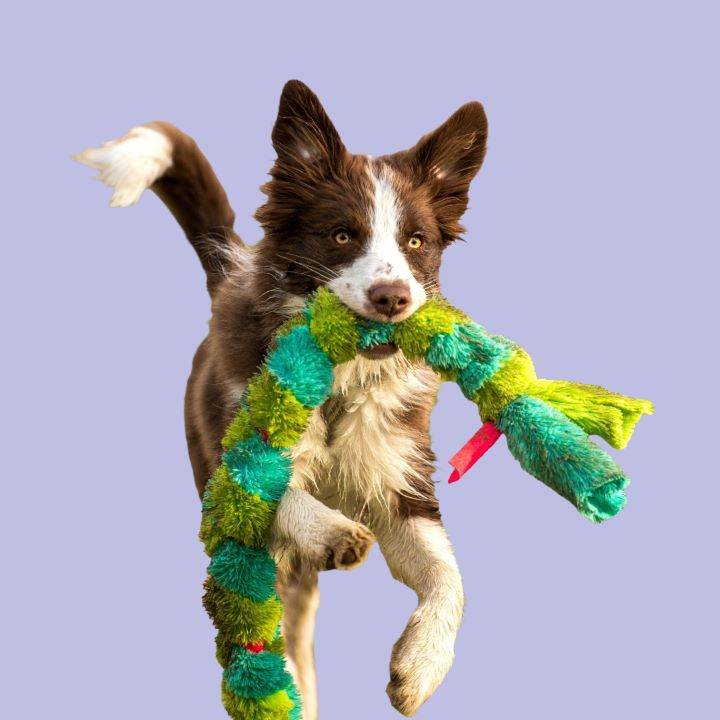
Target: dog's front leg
{"points": [[419, 554], [321, 537]]}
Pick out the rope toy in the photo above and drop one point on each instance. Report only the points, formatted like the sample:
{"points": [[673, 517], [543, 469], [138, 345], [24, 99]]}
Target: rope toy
{"points": [[546, 423]]}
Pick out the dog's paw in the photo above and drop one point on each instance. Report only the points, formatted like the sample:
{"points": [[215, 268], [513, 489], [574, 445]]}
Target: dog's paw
{"points": [[402, 696], [348, 546], [420, 660]]}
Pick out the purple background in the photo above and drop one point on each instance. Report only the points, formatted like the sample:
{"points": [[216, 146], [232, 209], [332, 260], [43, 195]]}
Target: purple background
{"points": [[588, 242]]}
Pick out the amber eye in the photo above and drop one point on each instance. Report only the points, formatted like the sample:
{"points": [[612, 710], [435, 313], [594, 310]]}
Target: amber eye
{"points": [[416, 242], [341, 237]]}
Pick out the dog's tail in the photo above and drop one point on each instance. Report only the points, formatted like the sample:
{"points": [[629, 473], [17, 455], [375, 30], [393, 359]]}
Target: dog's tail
{"points": [[159, 156]]}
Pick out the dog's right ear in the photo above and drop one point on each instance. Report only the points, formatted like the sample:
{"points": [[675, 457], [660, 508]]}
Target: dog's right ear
{"points": [[304, 137]]}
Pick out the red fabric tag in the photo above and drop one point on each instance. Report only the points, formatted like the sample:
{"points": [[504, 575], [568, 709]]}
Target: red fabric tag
{"points": [[473, 450], [254, 647]]}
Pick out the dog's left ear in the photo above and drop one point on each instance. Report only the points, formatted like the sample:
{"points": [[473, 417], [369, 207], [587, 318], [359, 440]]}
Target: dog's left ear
{"points": [[447, 159], [452, 154], [303, 136]]}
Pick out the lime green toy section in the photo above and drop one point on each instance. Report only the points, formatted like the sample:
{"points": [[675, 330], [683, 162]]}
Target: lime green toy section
{"points": [[546, 423]]}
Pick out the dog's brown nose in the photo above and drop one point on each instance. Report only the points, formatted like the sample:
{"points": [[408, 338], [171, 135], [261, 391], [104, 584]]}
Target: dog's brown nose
{"points": [[390, 298]]}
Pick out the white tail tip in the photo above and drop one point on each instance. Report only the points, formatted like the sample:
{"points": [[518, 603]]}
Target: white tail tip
{"points": [[130, 164]]}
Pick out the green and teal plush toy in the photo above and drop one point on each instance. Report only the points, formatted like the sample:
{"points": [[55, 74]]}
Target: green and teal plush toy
{"points": [[546, 423]]}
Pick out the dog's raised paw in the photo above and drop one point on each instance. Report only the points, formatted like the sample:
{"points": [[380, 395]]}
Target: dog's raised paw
{"points": [[349, 547]]}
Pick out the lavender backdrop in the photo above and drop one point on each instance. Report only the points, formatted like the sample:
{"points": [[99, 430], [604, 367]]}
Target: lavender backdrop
{"points": [[589, 241]]}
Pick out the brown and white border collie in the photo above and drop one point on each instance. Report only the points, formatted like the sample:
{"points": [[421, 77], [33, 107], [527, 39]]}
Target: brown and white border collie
{"points": [[373, 230]]}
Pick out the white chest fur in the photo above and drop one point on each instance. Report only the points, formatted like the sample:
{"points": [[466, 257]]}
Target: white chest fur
{"points": [[365, 455]]}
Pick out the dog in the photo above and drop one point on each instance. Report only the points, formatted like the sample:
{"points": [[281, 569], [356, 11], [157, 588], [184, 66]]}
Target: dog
{"points": [[373, 230]]}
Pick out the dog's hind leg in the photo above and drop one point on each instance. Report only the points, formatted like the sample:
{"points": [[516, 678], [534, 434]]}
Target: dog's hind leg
{"points": [[161, 157], [307, 536], [298, 589]]}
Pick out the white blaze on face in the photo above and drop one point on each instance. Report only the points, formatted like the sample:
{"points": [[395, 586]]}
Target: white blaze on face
{"points": [[382, 261]]}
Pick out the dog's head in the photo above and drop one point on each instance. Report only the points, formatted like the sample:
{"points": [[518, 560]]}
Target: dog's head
{"points": [[372, 229]]}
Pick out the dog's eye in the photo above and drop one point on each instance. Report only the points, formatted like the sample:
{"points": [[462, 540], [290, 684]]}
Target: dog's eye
{"points": [[416, 242], [341, 237]]}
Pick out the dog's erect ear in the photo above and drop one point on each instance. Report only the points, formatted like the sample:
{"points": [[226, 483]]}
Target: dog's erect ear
{"points": [[451, 155], [304, 137], [448, 158]]}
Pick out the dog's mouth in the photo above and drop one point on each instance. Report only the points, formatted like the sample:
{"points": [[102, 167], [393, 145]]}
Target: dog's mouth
{"points": [[378, 352]]}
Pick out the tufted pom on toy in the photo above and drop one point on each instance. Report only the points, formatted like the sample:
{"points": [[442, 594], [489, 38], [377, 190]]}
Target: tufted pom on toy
{"points": [[546, 422]]}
